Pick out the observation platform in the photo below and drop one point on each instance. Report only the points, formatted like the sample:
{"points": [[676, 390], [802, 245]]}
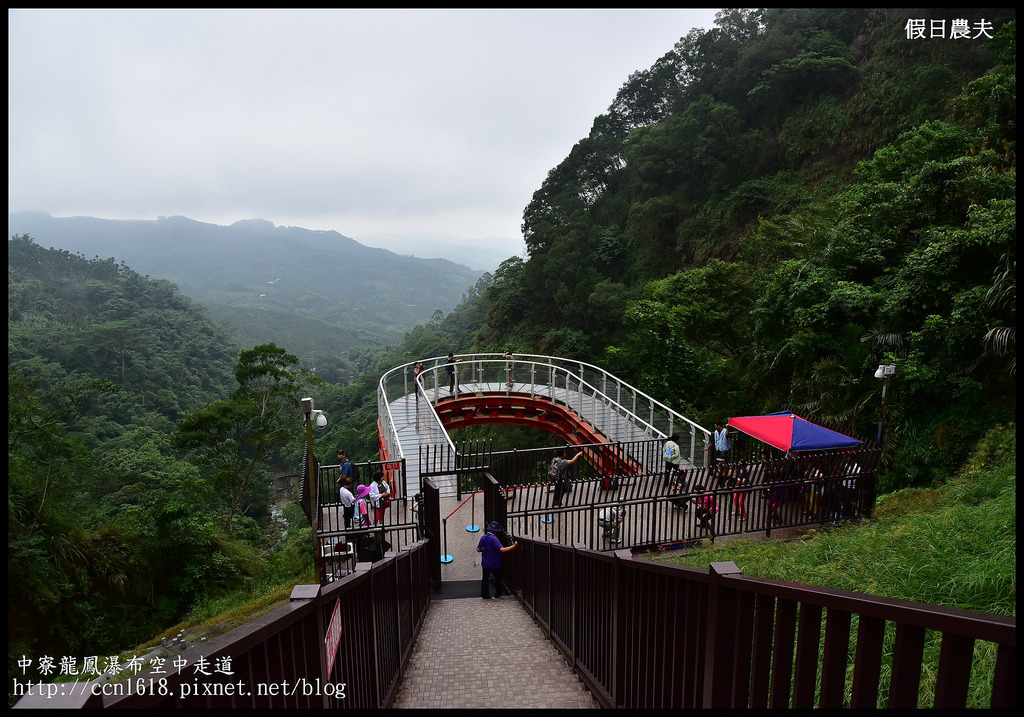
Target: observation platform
{"points": [[580, 403]]}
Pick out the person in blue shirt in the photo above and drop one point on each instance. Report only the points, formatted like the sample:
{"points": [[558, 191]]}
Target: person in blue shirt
{"points": [[719, 451], [490, 562], [344, 468]]}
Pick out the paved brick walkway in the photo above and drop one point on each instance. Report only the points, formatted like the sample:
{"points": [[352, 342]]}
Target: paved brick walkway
{"points": [[474, 653]]}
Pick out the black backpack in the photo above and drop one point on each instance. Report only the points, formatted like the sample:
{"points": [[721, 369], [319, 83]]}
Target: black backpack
{"points": [[355, 473], [555, 469]]}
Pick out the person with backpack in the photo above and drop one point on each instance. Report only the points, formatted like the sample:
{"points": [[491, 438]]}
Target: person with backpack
{"points": [[490, 562], [558, 472], [344, 468], [671, 454]]}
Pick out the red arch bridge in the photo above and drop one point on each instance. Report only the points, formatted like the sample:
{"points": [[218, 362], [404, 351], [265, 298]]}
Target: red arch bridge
{"points": [[581, 403]]}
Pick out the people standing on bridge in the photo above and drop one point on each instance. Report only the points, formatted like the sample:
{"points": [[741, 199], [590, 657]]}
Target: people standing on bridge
{"points": [[718, 451], [364, 516], [740, 479], [671, 452], [776, 494], [379, 491], [347, 500], [508, 368], [344, 468], [490, 563], [560, 468], [417, 369], [449, 368], [374, 496]]}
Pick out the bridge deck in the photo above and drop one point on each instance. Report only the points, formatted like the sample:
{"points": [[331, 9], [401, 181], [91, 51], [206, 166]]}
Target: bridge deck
{"points": [[414, 431]]}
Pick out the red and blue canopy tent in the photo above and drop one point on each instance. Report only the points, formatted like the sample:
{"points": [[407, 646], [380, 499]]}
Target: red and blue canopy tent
{"points": [[788, 432]]}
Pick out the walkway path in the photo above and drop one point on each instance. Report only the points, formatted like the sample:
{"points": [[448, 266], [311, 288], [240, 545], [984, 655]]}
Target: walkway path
{"points": [[474, 653]]}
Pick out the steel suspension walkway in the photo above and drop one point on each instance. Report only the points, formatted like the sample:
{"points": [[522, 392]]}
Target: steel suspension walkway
{"points": [[580, 402], [474, 653]]}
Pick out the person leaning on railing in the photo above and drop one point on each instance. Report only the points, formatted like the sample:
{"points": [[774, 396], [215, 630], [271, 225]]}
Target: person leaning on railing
{"points": [[561, 468]]}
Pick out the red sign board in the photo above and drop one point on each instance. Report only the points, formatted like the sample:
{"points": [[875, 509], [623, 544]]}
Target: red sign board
{"points": [[393, 466], [333, 638]]}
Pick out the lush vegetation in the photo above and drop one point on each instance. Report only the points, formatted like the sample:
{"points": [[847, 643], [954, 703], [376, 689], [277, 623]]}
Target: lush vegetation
{"points": [[777, 206], [139, 485], [954, 545]]}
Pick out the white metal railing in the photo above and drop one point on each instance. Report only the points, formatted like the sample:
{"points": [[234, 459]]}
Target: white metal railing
{"points": [[611, 405]]}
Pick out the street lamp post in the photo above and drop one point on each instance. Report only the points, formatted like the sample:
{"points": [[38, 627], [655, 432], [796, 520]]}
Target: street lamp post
{"points": [[883, 373], [311, 479]]}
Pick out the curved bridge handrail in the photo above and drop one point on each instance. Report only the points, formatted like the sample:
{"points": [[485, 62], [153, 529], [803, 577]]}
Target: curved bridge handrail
{"points": [[606, 376], [429, 415], [660, 420], [553, 384]]}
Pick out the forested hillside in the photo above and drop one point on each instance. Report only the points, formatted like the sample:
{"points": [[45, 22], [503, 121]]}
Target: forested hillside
{"points": [[777, 206], [119, 522], [328, 298]]}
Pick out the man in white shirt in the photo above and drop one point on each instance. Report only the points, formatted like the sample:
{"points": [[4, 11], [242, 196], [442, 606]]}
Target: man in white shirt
{"points": [[374, 496], [348, 502]]}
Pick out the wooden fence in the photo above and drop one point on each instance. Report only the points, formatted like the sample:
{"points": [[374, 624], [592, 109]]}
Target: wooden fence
{"points": [[280, 660], [643, 634]]}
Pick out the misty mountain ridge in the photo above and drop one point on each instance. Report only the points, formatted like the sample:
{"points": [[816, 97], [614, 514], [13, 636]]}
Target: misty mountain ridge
{"points": [[485, 254], [311, 291]]}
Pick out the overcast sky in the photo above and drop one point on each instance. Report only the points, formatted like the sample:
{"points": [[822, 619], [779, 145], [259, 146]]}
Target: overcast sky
{"points": [[361, 121]]}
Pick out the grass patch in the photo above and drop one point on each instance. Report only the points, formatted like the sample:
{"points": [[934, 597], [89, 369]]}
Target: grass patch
{"points": [[952, 545], [224, 614]]}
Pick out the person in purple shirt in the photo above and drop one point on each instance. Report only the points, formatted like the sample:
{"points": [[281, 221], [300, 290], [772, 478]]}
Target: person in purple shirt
{"points": [[491, 547]]}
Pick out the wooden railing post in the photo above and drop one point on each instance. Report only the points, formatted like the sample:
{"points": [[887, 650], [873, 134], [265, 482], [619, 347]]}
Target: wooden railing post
{"points": [[720, 641], [617, 688], [314, 630]]}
